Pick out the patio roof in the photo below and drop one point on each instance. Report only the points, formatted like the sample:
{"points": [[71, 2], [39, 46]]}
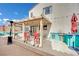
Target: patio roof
{"points": [[35, 21]]}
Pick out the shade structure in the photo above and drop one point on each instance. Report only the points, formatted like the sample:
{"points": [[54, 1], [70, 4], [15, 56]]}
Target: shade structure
{"points": [[35, 21], [32, 22]]}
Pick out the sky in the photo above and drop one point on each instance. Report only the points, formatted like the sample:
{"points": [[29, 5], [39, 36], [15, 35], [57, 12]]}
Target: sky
{"points": [[14, 11]]}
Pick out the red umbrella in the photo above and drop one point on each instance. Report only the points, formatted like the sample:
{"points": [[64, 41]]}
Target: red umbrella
{"points": [[74, 23]]}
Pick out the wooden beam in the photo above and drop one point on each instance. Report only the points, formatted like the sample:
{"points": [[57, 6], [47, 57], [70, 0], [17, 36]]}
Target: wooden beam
{"points": [[41, 33], [23, 30]]}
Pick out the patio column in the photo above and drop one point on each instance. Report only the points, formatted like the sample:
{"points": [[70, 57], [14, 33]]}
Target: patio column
{"points": [[41, 33], [13, 31], [23, 30]]}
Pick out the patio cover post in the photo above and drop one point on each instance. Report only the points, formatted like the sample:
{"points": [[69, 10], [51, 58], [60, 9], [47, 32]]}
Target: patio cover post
{"points": [[13, 31], [41, 33], [23, 30]]}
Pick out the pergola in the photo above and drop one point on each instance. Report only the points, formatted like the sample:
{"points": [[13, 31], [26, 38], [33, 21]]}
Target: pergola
{"points": [[36, 21]]}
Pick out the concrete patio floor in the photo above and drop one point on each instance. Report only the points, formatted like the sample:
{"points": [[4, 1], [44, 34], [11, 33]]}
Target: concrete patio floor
{"points": [[14, 50], [20, 49]]}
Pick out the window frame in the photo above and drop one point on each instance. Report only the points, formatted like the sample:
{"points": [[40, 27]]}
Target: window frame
{"points": [[31, 14], [47, 10], [44, 27]]}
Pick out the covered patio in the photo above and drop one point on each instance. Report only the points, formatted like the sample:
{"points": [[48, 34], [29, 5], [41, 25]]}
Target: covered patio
{"points": [[36, 25]]}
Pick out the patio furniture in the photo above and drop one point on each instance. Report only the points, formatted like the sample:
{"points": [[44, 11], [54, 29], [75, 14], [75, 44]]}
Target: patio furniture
{"points": [[36, 38]]}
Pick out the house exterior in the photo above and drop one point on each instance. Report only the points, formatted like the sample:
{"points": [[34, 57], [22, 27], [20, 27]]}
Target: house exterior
{"points": [[58, 14], [52, 18]]}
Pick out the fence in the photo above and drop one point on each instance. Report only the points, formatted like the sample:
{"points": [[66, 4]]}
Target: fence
{"points": [[69, 39]]}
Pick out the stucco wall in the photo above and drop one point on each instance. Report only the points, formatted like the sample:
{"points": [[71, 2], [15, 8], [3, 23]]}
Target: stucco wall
{"points": [[60, 16]]}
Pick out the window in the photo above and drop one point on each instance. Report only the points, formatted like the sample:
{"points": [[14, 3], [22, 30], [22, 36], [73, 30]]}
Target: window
{"points": [[27, 28], [45, 27], [47, 10], [31, 14], [32, 30]]}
